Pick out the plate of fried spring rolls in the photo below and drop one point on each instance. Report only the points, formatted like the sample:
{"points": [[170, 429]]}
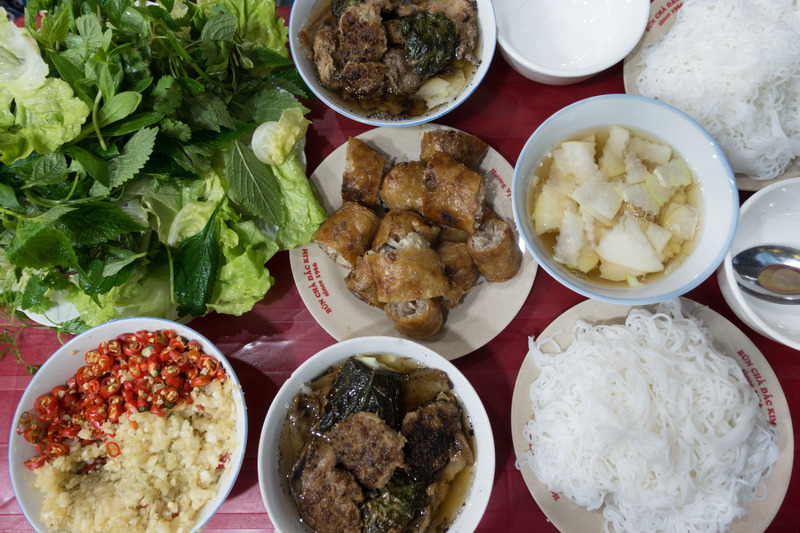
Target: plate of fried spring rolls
{"points": [[420, 241]]}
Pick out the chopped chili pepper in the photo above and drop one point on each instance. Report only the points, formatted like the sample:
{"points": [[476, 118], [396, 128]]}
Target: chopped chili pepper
{"points": [[113, 449], [36, 462]]}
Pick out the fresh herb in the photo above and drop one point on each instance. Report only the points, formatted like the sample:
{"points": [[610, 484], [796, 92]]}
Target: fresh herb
{"points": [[128, 183]]}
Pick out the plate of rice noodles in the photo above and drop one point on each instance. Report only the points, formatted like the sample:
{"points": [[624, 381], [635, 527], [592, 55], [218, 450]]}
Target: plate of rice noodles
{"points": [[732, 66], [657, 418]]}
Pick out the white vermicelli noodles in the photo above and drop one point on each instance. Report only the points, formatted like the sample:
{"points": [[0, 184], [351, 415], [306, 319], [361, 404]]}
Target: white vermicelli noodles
{"points": [[734, 66], [650, 422]]}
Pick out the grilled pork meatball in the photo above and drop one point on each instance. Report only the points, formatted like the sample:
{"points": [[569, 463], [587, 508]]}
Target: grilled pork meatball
{"points": [[430, 431], [326, 496], [368, 448]]}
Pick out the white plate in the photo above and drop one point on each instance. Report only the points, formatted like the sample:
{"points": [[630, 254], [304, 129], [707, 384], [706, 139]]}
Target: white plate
{"points": [[662, 17], [484, 312], [571, 518]]}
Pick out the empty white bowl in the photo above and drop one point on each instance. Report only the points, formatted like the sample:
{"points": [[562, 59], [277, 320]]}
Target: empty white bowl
{"points": [[64, 363], [661, 122], [769, 216], [274, 487], [305, 11], [567, 41]]}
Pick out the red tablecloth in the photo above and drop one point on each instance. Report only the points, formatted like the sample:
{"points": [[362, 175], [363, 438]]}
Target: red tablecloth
{"points": [[266, 344]]}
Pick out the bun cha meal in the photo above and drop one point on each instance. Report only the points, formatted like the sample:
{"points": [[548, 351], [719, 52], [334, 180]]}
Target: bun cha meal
{"points": [[388, 61], [417, 237], [377, 443]]}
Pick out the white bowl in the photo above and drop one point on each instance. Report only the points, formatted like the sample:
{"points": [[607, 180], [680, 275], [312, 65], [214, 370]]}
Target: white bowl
{"points": [[567, 41], [660, 121], [305, 10], [64, 363], [274, 490], [769, 216]]}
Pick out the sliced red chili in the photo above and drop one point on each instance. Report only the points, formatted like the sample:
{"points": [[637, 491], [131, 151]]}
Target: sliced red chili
{"points": [[115, 410], [36, 462], [97, 413], [132, 347], [103, 364], [200, 381], [109, 386], [208, 365], [91, 357], [33, 433], [57, 449], [84, 374], [24, 422], [114, 348], [113, 449]]}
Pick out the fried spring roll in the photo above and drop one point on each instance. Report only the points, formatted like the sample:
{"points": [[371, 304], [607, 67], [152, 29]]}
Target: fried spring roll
{"points": [[418, 319], [402, 187], [361, 283], [494, 250], [411, 272], [463, 147], [396, 224], [453, 194], [459, 269], [363, 170], [347, 233]]}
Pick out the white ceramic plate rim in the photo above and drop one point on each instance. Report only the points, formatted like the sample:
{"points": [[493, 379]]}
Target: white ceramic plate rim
{"points": [[571, 518], [486, 310], [283, 511], [645, 110], [30, 499]]}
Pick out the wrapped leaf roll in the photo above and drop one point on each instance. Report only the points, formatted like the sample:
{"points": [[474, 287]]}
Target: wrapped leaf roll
{"points": [[453, 194], [347, 233]]}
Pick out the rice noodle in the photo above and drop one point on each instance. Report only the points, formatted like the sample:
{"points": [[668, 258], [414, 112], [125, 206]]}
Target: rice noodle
{"points": [[734, 66], [648, 420]]}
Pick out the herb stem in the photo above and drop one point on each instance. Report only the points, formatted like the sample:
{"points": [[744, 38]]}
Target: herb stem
{"points": [[95, 123]]}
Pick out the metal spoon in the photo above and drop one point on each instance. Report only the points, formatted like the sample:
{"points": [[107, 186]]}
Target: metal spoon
{"points": [[770, 272]]}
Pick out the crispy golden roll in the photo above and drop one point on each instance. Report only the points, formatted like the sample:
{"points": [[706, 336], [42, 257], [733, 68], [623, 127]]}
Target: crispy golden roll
{"points": [[449, 234], [459, 269], [402, 187], [417, 319], [396, 224], [361, 283], [408, 273], [363, 170], [494, 250], [463, 147], [347, 233], [453, 194]]}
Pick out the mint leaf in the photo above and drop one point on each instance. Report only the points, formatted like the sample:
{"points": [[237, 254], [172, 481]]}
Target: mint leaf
{"points": [[48, 169], [133, 157], [167, 95], [95, 222], [95, 166], [208, 112], [195, 265], [220, 27], [254, 185], [37, 246], [8, 197]]}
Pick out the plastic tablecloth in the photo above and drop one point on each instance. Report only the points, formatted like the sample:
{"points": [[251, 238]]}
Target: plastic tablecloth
{"points": [[266, 344]]}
